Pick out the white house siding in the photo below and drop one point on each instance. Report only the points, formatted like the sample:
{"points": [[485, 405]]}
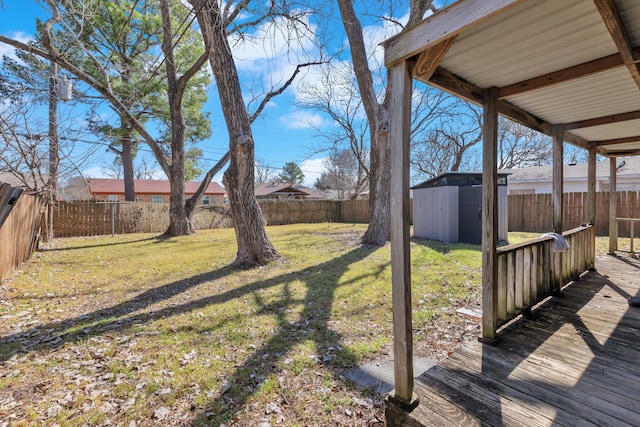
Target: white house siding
{"points": [[438, 209]]}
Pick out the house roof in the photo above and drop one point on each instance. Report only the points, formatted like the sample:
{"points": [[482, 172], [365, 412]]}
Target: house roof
{"points": [[627, 167], [571, 64], [269, 188], [13, 180], [146, 186]]}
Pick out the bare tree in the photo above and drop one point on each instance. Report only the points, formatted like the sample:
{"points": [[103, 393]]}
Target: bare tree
{"points": [[335, 94], [442, 146], [520, 146], [26, 149], [343, 174], [264, 173], [217, 25], [377, 113]]}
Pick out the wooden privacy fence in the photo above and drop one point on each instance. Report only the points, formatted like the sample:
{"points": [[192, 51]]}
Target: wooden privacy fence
{"points": [[529, 272], [20, 218], [99, 218], [280, 212], [534, 212]]}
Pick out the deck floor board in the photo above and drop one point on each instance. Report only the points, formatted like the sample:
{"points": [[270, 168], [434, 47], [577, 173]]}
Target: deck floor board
{"points": [[574, 363]]}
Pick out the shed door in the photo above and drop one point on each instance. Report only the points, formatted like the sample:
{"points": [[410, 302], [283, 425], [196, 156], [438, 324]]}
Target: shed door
{"points": [[470, 215]]}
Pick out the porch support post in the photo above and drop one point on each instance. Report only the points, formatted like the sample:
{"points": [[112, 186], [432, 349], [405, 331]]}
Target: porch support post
{"points": [[557, 133], [558, 179], [591, 185], [613, 223], [400, 128], [591, 202], [489, 215]]}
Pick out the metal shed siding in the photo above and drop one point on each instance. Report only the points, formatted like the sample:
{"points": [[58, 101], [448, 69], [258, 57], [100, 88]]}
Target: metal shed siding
{"points": [[435, 213]]}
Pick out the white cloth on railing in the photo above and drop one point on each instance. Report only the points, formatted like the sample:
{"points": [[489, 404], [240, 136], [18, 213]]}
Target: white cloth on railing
{"points": [[560, 244]]}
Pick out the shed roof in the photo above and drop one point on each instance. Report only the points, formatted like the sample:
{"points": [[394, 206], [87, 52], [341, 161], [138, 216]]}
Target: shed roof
{"points": [[458, 179], [147, 186], [573, 63]]}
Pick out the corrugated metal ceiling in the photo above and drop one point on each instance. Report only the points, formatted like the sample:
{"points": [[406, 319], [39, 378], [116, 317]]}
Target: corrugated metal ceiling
{"points": [[536, 37]]}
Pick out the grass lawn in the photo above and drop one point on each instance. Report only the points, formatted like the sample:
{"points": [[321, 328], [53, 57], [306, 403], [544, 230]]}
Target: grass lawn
{"points": [[134, 331]]}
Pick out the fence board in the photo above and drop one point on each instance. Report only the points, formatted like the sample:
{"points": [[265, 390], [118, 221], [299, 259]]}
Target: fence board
{"points": [[533, 212], [19, 232]]}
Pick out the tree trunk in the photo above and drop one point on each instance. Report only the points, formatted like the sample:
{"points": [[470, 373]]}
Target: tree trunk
{"points": [[127, 158], [379, 229], [180, 220], [254, 246]]}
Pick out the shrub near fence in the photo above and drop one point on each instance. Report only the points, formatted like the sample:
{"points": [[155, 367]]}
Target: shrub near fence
{"points": [[534, 212], [19, 232]]}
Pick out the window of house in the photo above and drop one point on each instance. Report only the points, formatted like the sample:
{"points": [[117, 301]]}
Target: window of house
{"points": [[112, 198], [206, 199], [156, 198]]}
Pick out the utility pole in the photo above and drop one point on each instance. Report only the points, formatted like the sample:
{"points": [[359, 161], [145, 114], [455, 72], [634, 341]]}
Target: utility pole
{"points": [[54, 158]]}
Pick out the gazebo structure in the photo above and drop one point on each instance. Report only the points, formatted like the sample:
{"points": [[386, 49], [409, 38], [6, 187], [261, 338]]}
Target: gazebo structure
{"points": [[569, 69]]}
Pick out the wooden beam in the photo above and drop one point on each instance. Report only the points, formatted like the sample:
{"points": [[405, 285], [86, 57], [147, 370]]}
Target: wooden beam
{"points": [[490, 215], [564, 75], [613, 223], [613, 153], [427, 61], [606, 120], [558, 149], [400, 129], [442, 25], [614, 23], [625, 140], [449, 82]]}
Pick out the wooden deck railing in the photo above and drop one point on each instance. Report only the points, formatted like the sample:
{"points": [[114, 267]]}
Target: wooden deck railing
{"points": [[529, 272]]}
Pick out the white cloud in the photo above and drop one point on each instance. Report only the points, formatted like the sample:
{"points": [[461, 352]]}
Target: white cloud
{"points": [[301, 120], [312, 169], [270, 52]]}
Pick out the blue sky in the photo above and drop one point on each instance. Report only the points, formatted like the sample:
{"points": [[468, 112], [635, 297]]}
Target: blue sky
{"points": [[283, 134]]}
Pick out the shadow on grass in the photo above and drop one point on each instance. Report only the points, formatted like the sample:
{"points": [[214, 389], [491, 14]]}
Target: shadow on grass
{"points": [[321, 282], [126, 242], [312, 325]]}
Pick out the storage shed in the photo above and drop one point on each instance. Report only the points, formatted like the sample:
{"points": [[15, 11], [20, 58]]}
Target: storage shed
{"points": [[449, 208]]}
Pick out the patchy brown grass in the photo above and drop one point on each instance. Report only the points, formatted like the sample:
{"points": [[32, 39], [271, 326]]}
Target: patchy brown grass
{"points": [[136, 330]]}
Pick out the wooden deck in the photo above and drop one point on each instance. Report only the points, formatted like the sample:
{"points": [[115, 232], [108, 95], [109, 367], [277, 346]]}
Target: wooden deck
{"points": [[577, 363]]}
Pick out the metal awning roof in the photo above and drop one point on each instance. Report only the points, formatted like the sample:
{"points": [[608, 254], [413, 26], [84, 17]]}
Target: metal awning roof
{"points": [[569, 63]]}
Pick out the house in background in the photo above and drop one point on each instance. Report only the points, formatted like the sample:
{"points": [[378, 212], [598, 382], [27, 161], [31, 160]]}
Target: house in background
{"points": [[538, 180], [27, 182], [146, 190], [286, 191]]}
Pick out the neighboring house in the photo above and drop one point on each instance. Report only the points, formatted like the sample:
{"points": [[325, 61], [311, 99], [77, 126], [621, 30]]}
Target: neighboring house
{"points": [[286, 191], [146, 190], [15, 181], [537, 180]]}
